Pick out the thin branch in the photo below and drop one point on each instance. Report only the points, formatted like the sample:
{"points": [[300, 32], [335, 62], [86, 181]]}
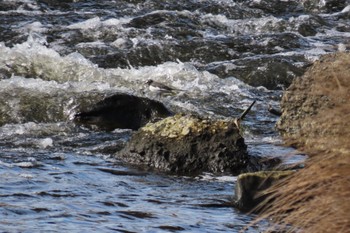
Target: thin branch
{"points": [[246, 111]]}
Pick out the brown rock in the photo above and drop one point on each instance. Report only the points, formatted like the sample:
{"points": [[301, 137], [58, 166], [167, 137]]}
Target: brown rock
{"points": [[323, 93]]}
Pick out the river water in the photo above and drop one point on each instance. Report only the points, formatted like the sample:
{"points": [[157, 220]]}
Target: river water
{"points": [[60, 57]]}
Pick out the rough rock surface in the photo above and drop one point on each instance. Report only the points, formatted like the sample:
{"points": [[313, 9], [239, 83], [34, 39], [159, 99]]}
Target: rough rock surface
{"points": [[316, 113], [190, 145], [323, 93], [324, 5], [273, 6], [249, 191], [271, 73], [122, 111]]}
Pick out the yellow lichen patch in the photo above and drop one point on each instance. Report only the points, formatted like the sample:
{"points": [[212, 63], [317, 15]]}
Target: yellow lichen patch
{"points": [[179, 126]]}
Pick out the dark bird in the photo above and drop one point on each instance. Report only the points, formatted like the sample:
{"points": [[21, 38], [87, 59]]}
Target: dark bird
{"points": [[160, 88]]}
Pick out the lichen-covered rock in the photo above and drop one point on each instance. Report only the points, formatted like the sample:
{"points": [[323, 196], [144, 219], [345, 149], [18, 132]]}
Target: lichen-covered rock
{"points": [[190, 145], [316, 105], [250, 186], [122, 111]]}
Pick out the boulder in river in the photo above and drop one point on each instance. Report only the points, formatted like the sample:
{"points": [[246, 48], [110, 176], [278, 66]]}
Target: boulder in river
{"points": [[187, 144], [122, 111]]}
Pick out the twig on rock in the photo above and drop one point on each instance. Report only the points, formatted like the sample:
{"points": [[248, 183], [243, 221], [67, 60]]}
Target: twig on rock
{"points": [[238, 120]]}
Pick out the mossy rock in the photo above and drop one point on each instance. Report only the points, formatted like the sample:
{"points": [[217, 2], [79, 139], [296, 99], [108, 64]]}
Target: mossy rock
{"points": [[186, 144]]}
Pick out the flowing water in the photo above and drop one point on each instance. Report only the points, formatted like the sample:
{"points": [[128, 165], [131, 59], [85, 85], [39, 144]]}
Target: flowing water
{"points": [[60, 57]]}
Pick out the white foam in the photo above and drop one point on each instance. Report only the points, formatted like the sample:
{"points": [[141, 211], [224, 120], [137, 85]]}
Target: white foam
{"points": [[33, 129], [27, 175], [96, 22], [116, 22], [87, 24], [346, 9], [75, 74], [55, 71], [211, 177], [33, 27], [342, 47], [251, 26], [25, 164], [46, 142], [80, 59]]}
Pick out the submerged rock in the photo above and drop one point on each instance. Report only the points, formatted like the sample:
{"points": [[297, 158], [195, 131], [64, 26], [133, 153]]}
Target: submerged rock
{"points": [[250, 186], [273, 6], [324, 5], [271, 73], [40, 102], [190, 145], [122, 111]]}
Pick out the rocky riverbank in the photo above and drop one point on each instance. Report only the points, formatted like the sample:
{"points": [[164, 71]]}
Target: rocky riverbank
{"points": [[315, 118]]}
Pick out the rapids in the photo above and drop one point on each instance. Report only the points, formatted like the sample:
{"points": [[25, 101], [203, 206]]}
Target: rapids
{"points": [[60, 57]]}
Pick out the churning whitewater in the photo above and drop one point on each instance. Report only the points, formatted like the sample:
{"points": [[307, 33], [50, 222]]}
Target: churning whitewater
{"points": [[58, 58]]}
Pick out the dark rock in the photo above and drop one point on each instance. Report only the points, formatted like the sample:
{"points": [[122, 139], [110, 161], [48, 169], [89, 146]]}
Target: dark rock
{"points": [[273, 6], [145, 54], [270, 72], [318, 6], [274, 111], [174, 18], [122, 111], [250, 186], [190, 145]]}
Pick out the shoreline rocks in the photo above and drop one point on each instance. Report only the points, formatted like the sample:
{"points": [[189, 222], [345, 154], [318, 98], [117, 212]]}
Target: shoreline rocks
{"points": [[321, 95], [315, 119]]}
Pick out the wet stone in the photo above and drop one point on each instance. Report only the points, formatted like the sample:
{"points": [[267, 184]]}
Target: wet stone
{"points": [[190, 145], [324, 5], [122, 111], [270, 72], [273, 6], [250, 187]]}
